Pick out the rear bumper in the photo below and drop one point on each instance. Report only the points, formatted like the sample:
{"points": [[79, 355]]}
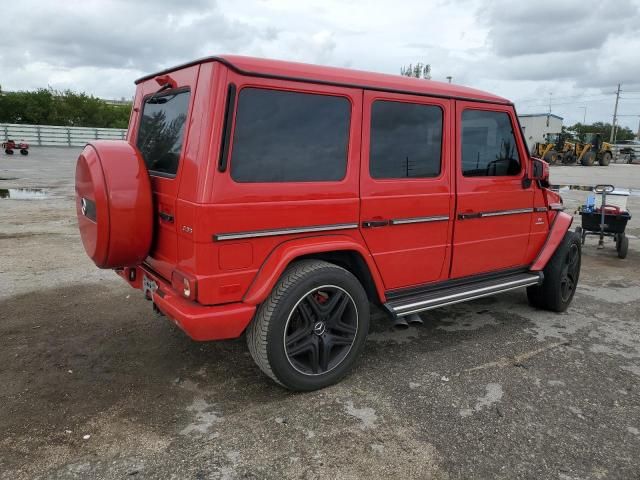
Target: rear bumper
{"points": [[200, 322]]}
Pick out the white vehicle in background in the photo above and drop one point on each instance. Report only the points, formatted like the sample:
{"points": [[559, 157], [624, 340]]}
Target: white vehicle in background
{"points": [[627, 150]]}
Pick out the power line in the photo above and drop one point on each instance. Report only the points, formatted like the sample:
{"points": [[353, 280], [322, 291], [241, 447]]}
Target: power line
{"points": [[580, 97], [565, 103], [533, 99]]}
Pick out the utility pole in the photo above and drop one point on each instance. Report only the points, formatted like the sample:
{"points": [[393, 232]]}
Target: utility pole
{"points": [[449, 78], [584, 117], [615, 115]]}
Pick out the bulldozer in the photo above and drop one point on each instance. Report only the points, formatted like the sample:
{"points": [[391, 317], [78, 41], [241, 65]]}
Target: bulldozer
{"points": [[592, 149], [557, 147]]}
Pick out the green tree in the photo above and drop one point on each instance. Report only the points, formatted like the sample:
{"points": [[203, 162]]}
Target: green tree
{"points": [[46, 106], [622, 133]]}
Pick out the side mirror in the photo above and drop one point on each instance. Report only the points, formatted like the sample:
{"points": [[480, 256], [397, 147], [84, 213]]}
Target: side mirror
{"points": [[539, 170]]}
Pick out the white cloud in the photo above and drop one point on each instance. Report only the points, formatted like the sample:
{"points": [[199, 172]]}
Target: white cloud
{"points": [[577, 49]]}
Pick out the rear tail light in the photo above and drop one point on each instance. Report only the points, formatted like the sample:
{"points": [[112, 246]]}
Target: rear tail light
{"points": [[185, 284]]}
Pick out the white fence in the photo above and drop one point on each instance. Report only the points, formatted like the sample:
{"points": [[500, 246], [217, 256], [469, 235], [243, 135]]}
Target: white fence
{"points": [[49, 135]]}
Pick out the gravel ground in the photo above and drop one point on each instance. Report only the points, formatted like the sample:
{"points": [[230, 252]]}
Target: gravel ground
{"points": [[94, 386]]}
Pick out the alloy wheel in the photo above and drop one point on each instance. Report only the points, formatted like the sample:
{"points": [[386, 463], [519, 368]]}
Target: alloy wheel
{"points": [[321, 330], [570, 271]]}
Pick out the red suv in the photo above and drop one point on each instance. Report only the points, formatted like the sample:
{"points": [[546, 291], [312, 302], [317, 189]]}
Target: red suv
{"points": [[282, 199]]}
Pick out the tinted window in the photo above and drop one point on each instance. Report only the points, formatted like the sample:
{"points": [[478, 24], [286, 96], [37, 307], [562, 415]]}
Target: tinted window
{"points": [[289, 137], [162, 130], [406, 140], [488, 144]]}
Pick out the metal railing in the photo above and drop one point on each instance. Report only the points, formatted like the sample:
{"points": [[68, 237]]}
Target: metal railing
{"points": [[50, 135]]}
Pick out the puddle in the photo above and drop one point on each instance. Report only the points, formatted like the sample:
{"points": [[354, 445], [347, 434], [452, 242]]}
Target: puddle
{"points": [[589, 188], [24, 193]]}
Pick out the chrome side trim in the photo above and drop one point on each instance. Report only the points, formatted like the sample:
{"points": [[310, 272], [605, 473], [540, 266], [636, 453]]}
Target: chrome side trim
{"points": [[283, 231], [540, 209], [464, 296], [499, 213], [496, 213], [404, 221]]}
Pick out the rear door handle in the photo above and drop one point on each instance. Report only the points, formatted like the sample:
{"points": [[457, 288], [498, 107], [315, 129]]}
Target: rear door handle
{"points": [[467, 215], [375, 223]]}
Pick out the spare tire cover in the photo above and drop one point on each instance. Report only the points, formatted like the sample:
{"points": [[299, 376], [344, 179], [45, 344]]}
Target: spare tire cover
{"points": [[114, 204]]}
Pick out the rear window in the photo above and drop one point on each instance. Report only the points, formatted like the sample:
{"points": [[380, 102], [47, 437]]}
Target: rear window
{"points": [[161, 131], [289, 137]]}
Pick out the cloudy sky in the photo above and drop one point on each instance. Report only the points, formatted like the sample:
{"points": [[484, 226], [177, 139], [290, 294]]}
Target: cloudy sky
{"points": [[577, 51]]}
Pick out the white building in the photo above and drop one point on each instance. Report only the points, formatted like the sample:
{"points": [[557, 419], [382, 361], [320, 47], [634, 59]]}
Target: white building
{"points": [[536, 125]]}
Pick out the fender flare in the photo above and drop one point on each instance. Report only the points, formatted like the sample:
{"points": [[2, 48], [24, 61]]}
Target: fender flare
{"points": [[559, 228], [287, 252]]}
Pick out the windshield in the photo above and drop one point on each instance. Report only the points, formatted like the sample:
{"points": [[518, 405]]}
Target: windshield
{"points": [[162, 130]]}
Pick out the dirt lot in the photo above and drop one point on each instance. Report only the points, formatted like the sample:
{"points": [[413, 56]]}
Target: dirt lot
{"points": [[92, 385]]}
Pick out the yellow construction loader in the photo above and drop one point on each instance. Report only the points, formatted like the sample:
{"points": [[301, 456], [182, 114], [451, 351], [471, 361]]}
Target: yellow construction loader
{"points": [[557, 147], [592, 149], [546, 150]]}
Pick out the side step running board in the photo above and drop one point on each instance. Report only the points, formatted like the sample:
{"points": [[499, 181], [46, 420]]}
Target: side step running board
{"points": [[440, 297]]}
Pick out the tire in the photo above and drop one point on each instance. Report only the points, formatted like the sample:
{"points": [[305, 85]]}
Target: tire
{"points": [[622, 246], [588, 159], [561, 277], [551, 157], [24, 151], [605, 159], [8, 151], [296, 308], [568, 159]]}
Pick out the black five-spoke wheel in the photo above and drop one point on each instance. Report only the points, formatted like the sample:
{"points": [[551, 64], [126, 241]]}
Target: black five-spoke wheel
{"points": [[313, 326], [321, 330], [570, 272], [561, 276]]}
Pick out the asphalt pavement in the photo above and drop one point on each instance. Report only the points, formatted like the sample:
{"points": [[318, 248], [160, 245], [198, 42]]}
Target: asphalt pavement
{"points": [[93, 385]]}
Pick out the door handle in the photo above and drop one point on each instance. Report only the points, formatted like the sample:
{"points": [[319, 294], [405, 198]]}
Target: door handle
{"points": [[375, 223], [467, 215]]}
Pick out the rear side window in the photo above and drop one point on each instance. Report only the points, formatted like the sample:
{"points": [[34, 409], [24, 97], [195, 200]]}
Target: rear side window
{"points": [[489, 147], [406, 140], [161, 131], [289, 137]]}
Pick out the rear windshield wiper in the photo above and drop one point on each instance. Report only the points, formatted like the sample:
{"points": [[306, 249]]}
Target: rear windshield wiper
{"points": [[156, 98]]}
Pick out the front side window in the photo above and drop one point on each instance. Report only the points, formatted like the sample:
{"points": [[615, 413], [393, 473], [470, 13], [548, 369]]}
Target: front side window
{"points": [[489, 146], [285, 136], [161, 131], [406, 140]]}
